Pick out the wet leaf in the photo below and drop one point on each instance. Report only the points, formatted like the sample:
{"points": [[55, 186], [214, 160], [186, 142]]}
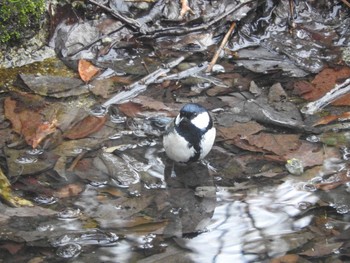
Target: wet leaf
{"points": [[311, 154], [28, 122], [85, 127], [87, 70], [151, 104], [130, 109], [69, 190], [239, 129], [19, 162], [325, 120], [105, 87], [333, 182], [52, 86], [12, 247], [322, 249], [279, 144], [325, 81]]}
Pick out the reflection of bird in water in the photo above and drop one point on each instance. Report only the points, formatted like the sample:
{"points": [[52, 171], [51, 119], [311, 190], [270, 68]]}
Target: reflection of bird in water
{"points": [[190, 136], [191, 198]]}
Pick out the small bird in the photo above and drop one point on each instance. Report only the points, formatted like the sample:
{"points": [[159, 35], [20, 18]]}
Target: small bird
{"points": [[190, 136]]}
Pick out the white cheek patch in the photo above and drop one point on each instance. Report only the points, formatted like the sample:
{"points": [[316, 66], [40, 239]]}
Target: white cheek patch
{"points": [[178, 120], [201, 121]]}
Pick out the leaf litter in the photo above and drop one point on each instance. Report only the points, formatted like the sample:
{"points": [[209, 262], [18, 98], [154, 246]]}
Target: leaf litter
{"points": [[86, 150]]}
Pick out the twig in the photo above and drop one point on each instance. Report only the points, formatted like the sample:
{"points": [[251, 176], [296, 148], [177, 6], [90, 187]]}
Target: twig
{"points": [[136, 88], [346, 3], [185, 30], [95, 41], [136, 25], [185, 73], [332, 95], [222, 45]]}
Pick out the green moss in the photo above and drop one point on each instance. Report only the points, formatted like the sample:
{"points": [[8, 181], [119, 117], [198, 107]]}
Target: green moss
{"points": [[18, 18]]}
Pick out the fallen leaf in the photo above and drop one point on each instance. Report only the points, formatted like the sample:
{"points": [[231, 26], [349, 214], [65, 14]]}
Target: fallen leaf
{"points": [[42, 131], [239, 129], [311, 154], [87, 70], [322, 248], [69, 190], [12, 247], [325, 81], [28, 121], [279, 144], [150, 104], [105, 87], [338, 180], [85, 127], [325, 120], [130, 109]]}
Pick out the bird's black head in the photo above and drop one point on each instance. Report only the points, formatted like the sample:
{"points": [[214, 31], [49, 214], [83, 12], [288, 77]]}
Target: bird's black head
{"points": [[191, 110]]}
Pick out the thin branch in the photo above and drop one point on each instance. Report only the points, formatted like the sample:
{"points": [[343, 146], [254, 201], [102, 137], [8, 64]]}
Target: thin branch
{"points": [[136, 88], [185, 30], [136, 25], [346, 3], [222, 45]]}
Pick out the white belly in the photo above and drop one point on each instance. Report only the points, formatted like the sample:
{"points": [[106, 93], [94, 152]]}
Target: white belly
{"points": [[177, 148], [207, 142]]}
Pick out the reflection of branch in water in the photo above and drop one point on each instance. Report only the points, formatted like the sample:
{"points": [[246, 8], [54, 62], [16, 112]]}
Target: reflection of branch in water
{"points": [[221, 237]]}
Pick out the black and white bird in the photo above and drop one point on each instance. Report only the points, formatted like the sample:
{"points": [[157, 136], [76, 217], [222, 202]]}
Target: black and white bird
{"points": [[190, 136]]}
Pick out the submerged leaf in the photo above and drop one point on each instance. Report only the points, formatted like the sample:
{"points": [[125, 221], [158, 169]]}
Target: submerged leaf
{"points": [[85, 127], [28, 121]]}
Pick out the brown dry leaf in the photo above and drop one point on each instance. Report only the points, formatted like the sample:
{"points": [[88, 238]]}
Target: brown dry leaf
{"points": [[130, 109], [85, 127], [325, 81], [279, 144], [239, 129], [28, 122], [330, 118], [87, 70]]}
